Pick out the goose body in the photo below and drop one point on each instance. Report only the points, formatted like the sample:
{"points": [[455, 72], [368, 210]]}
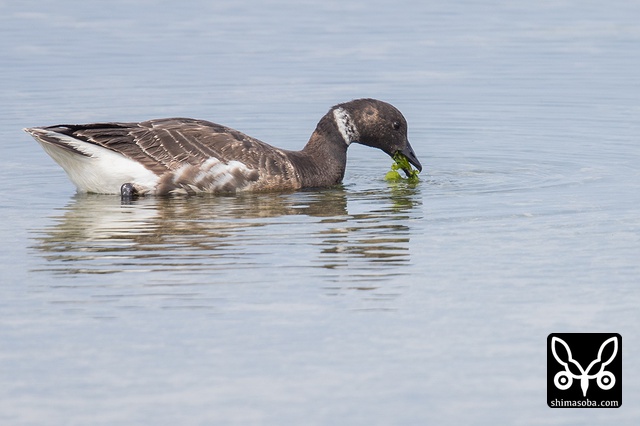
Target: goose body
{"points": [[183, 155]]}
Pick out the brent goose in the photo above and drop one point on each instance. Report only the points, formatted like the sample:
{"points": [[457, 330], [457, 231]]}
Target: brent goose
{"points": [[183, 155]]}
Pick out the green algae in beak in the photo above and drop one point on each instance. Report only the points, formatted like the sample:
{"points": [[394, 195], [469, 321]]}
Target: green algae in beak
{"points": [[401, 162]]}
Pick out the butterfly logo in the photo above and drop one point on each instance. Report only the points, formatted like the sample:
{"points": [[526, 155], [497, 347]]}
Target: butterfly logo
{"points": [[573, 370]]}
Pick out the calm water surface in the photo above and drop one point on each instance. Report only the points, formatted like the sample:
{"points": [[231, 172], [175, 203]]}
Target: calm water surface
{"points": [[366, 304]]}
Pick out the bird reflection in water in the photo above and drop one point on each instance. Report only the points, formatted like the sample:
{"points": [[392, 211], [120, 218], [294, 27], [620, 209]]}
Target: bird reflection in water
{"points": [[309, 233]]}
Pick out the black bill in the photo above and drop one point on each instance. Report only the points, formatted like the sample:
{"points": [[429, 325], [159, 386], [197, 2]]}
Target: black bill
{"points": [[408, 153]]}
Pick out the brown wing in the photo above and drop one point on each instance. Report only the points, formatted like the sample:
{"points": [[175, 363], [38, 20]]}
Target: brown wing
{"points": [[167, 144]]}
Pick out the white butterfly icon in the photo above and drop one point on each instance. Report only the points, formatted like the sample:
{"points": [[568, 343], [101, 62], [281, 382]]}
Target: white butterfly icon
{"points": [[564, 379]]}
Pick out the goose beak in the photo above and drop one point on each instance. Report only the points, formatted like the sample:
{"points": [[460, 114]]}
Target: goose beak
{"points": [[407, 151]]}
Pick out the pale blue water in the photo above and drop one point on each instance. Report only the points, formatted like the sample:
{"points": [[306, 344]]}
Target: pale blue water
{"points": [[368, 304]]}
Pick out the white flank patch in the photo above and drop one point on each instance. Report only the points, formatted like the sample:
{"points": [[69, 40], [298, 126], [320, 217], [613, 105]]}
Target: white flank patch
{"points": [[220, 174], [212, 176], [346, 126], [103, 172]]}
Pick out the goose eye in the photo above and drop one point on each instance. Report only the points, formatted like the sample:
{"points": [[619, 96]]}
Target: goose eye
{"points": [[395, 125]]}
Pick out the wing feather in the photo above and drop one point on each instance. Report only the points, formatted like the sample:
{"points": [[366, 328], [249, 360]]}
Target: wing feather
{"points": [[167, 144]]}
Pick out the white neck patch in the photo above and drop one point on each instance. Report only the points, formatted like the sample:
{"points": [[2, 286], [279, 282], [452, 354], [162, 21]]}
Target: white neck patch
{"points": [[346, 126]]}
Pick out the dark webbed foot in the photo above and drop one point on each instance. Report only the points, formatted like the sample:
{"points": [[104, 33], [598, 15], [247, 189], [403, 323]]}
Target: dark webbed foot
{"points": [[128, 191]]}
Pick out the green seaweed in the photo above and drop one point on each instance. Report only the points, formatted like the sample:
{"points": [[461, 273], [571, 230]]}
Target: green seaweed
{"points": [[401, 162]]}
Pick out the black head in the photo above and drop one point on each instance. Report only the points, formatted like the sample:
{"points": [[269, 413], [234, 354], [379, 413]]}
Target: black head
{"points": [[375, 123]]}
